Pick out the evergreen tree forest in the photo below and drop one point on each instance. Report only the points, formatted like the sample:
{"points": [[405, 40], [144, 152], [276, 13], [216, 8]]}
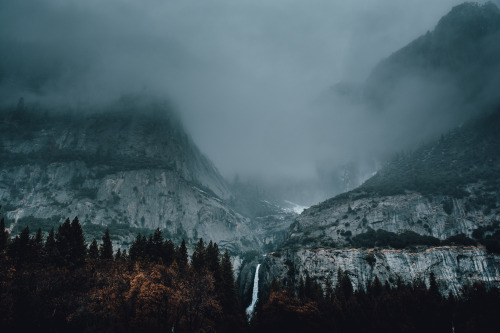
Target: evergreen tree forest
{"points": [[404, 307], [58, 284]]}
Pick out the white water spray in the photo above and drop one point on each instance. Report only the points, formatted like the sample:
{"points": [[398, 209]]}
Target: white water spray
{"points": [[255, 294]]}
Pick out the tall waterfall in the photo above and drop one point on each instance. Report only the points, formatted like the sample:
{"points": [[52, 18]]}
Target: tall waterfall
{"points": [[255, 294]]}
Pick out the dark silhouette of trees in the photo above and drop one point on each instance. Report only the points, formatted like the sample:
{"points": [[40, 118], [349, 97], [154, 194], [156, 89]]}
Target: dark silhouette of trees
{"points": [[42, 288], [156, 246], [106, 250], [138, 248], [4, 236], [70, 243], [198, 259], [93, 250], [118, 255], [404, 307], [230, 299], [168, 252], [212, 257], [181, 256], [149, 293], [20, 248], [50, 250]]}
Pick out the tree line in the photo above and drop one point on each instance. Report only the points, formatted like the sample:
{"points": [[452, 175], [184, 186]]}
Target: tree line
{"points": [[379, 307], [59, 283]]}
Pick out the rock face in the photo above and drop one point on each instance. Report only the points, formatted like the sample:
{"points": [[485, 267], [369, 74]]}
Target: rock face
{"points": [[444, 188], [452, 266], [128, 168], [334, 222], [461, 195]]}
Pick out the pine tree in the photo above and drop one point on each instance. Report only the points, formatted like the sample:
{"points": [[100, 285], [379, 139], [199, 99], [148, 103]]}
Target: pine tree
{"points": [[308, 287], [63, 241], [118, 255], [433, 286], [376, 287], [213, 265], [301, 289], [230, 301], [94, 250], [79, 246], [138, 249], [20, 249], [317, 292], [198, 258], [38, 240], [168, 252], [134, 248], [212, 258], [70, 243], [149, 253], [50, 249], [157, 246], [344, 286], [329, 294], [4, 236], [37, 246], [106, 250], [124, 255], [182, 257]]}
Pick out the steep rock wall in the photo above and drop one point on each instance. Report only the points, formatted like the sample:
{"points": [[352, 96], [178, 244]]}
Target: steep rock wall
{"points": [[338, 219], [130, 167], [452, 266]]}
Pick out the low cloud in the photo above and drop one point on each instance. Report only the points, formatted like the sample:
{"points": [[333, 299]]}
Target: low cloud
{"points": [[246, 76]]}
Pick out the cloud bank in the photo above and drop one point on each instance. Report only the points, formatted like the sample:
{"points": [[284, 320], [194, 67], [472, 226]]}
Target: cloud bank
{"points": [[245, 76]]}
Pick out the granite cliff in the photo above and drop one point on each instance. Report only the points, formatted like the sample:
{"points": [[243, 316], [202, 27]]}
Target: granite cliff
{"points": [[454, 266], [130, 167], [434, 207]]}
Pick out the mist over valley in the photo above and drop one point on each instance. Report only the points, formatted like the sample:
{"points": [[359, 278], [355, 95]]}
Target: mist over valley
{"points": [[250, 166]]}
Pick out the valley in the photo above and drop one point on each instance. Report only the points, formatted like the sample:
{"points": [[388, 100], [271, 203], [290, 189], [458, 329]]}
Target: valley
{"points": [[404, 205]]}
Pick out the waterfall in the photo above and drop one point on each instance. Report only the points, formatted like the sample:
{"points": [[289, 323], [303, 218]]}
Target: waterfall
{"points": [[255, 294]]}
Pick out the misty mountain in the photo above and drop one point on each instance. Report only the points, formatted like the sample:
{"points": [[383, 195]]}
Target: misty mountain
{"points": [[431, 204], [465, 155], [456, 64], [457, 173], [444, 188], [433, 84], [435, 209], [129, 166]]}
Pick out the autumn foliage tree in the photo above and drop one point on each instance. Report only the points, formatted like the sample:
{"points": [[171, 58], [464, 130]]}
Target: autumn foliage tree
{"points": [[58, 285]]}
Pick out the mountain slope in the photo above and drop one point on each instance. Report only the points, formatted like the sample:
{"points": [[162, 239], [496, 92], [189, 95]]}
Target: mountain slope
{"points": [[130, 167], [459, 59], [426, 211], [429, 209]]}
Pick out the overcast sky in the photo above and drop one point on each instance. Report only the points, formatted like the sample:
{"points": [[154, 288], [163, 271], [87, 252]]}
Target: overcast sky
{"points": [[244, 74]]}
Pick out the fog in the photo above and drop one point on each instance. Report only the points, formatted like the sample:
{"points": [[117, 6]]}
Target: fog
{"points": [[251, 79]]}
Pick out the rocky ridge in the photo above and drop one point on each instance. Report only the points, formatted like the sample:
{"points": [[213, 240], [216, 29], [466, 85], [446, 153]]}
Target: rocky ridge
{"points": [[131, 168], [443, 190], [334, 223], [453, 267]]}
